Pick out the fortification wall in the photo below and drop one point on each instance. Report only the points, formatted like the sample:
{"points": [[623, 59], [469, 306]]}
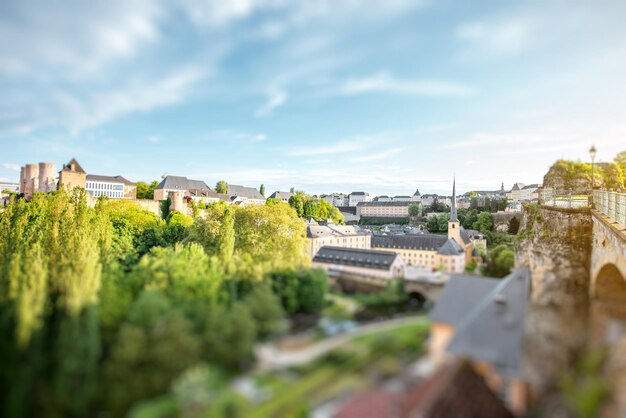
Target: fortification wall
{"points": [[555, 244]]}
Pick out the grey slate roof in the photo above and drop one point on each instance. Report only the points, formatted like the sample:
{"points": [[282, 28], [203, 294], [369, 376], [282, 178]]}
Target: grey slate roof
{"points": [[384, 203], [77, 167], [243, 191], [417, 192], [426, 242], [281, 195], [109, 179], [460, 295], [494, 330], [465, 236], [450, 247], [182, 183], [359, 193], [379, 260]]}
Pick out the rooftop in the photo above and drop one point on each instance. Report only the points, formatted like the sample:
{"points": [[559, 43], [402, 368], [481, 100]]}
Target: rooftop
{"points": [[243, 191], [460, 295], [425, 242], [493, 330], [379, 260]]}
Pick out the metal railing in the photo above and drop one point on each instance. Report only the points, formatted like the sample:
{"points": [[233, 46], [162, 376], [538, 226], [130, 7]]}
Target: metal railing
{"points": [[612, 204], [565, 198]]}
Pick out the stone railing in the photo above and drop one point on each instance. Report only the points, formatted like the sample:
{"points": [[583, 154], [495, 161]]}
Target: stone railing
{"points": [[565, 198], [612, 204]]}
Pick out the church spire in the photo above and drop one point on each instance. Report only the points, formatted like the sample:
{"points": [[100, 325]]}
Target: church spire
{"points": [[453, 216]]}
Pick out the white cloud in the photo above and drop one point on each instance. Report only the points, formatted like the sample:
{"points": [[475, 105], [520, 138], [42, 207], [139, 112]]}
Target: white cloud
{"points": [[10, 166], [378, 155], [384, 83], [230, 135], [81, 113], [336, 148], [276, 99], [502, 37], [83, 39], [154, 139]]}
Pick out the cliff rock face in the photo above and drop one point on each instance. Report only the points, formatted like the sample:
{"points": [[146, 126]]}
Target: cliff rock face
{"points": [[555, 244]]}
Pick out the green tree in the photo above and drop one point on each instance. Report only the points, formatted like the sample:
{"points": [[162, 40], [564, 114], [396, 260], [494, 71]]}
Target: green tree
{"points": [[513, 227], [153, 347], [229, 336], [620, 160], [500, 261], [165, 208], [414, 209], [265, 309], [145, 190], [300, 292], [262, 190], [484, 223], [221, 187], [613, 176]]}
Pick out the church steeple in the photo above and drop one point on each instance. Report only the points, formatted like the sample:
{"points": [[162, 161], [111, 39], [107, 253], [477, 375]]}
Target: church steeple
{"points": [[453, 215]]}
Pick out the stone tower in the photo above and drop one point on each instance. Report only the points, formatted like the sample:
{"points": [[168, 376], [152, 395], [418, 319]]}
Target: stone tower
{"points": [[177, 200], [47, 177], [31, 180]]}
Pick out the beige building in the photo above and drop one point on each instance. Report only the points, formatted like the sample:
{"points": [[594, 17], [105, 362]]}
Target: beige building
{"points": [[72, 175], [451, 253], [282, 196], [383, 209], [178, 184], [335, 236], [338, 261], [483, 320]]}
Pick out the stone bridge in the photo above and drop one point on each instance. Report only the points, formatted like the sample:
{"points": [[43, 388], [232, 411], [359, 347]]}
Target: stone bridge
{"points": [[577, 258], [419, 290]]}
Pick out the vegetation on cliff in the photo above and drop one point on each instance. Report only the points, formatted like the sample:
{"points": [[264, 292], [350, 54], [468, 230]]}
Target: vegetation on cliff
{"points": [[102, 308]]}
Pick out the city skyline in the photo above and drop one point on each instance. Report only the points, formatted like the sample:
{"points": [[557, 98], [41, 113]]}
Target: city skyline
{"points": [[324, 97]]}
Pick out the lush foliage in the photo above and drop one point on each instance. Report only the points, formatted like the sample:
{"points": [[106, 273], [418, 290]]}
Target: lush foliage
{"points": [[314, 207], [102, 308], [146, 190], [438, 222], [221, 187], [500, 261], [576, 175], [415, 209]]}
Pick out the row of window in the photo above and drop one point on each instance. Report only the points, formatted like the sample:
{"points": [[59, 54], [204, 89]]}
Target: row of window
{"points": [[90, 185], [107, 193]]}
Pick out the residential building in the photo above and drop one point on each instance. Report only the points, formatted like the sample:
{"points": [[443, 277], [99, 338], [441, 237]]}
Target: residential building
{"points": [[383, 209], [72, 175], [456, 390], [179, 184], [482, 320], [355, 198], [335, 236], [529, 193], [417, 196], [11, 187], [401, 198], [282, 196], [113, 187], [337, 199], [383, 198], [338, 261], [242, 195], [515, 194], [428, 199], [449, 253]]}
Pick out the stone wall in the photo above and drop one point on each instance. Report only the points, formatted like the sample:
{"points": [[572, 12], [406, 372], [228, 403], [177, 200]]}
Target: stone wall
{"points": [[501, 220], [555, 244]]}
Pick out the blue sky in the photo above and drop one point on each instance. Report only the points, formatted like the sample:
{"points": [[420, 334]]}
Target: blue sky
{"points": [[329, 95]]}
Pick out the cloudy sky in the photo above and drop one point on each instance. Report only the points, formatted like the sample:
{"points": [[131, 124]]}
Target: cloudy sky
{"points": [[327, 95]]}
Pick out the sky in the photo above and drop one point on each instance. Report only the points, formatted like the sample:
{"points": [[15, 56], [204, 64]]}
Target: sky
{"points": [[384, 96]]}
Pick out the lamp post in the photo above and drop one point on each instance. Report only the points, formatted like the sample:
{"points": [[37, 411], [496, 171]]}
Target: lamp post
{"points": [[592, 154]]}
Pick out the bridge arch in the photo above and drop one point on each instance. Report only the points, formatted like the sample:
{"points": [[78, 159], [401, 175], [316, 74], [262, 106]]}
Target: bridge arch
{"points": [[608, 304]]}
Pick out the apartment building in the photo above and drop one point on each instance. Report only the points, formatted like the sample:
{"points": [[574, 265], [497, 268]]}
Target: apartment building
{"points": [[112, 187], [337, 236]]}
